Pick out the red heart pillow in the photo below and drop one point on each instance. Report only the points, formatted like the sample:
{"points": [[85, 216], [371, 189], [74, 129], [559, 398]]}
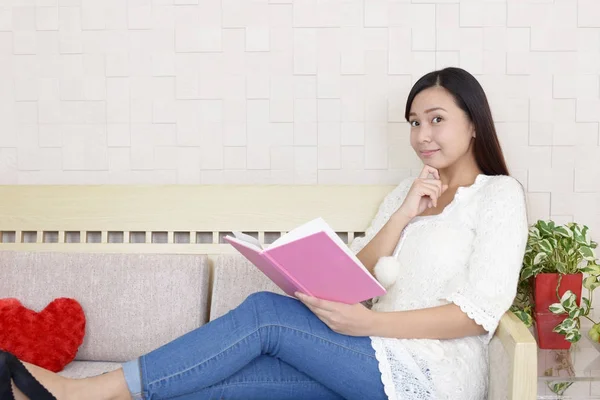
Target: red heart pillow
{"points": [[49, 339]]}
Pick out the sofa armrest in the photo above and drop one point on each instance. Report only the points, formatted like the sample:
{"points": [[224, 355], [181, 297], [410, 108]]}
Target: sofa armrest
{"points": [[521, 347]]}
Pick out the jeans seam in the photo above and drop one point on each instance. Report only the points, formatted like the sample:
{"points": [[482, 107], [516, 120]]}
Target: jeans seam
{"points": [[144, 376], [256, 318], [246, 337]]}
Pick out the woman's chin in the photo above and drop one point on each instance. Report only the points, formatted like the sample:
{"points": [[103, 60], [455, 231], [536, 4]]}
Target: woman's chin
{"points": [[433, 163]]}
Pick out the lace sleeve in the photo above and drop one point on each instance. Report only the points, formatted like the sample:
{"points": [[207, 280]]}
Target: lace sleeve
{"points": [[387, 207], [489, 286]]}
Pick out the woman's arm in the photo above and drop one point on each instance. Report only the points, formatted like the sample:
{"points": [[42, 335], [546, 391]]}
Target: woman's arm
{"points": [[421, 194], [384, 242], [441, 322]]}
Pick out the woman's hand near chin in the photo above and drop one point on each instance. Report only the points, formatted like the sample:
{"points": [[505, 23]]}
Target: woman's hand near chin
{"points": [[423, 194]]}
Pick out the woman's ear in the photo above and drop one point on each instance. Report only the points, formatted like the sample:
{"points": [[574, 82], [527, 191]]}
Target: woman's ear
{"points": [[472, 129]]}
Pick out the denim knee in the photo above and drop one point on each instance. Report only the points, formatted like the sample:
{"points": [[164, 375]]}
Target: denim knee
{"points": [[266, 306], [263, 297]]}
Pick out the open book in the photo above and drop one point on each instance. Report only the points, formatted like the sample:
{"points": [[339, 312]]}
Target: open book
{"points": [[311, 259]]}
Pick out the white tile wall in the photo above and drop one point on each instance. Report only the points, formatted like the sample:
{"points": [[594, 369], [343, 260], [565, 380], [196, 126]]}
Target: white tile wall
{"points": [[292, 91]]}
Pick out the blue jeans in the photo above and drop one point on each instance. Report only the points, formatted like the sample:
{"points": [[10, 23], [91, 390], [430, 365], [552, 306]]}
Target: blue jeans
{"points": [[269, 347]]}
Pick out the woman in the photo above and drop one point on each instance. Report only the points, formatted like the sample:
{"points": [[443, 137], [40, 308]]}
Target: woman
{"points": [[448, 246]]}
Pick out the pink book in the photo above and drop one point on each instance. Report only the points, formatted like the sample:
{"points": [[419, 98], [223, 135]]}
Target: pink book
{"points": [[311, 259]]}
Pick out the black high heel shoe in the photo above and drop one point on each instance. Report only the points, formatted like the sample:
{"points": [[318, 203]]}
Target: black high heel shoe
{"points": [[5, 388], [12, 368]]}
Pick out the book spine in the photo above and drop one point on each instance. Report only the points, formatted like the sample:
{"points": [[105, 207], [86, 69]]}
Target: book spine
{"points": [[300, 287]]}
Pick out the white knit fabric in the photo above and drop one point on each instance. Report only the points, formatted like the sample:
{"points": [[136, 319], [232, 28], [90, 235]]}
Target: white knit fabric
{"points": [[470, 255]]}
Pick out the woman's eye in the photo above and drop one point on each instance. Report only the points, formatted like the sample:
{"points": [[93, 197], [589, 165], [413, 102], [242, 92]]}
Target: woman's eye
{"points": [[414, 123], [437, 119]]}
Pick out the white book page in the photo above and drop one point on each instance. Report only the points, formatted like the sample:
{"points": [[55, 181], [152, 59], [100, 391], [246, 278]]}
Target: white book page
{"points": [[244, 243], [247, 238], [304, 230]]}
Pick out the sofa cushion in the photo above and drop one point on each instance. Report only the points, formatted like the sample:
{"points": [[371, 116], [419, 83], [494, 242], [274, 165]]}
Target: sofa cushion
{"points": [[234, 279], [133, 303]]}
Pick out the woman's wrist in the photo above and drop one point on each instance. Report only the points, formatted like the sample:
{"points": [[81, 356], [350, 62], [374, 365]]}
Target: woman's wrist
{"points": [[400, 217], [378, 323], [385, 324]]}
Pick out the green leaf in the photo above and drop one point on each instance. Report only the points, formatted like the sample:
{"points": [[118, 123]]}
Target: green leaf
{"points": [[567, 297], [587, 253], [562, 231], [527, 260], [525, 317], [567, 325], [573, 336], [586, 305], [584, 232], [559, 388], [557, 308], [591, 268], [546, 246], [561, 267], [544, 228], [559, 329], [581, 240], [575, 312], [526, 273], [591, 283], [570, 305], [539, 257]]}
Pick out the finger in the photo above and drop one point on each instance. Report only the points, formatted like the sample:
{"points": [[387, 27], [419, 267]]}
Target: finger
{"points": [[429, 170], [432, 191], [434, 183], [315, 302], [311, 308], [319, 313]]}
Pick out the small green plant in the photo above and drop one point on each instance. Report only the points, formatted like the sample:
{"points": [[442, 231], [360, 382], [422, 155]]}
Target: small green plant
{"points": [[563, 249], [559, 388]]}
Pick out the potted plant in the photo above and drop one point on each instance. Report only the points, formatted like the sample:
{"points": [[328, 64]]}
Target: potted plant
{"points": [[551, 280]]}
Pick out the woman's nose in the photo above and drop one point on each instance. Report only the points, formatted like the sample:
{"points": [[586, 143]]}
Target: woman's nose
{"points": [[424, 134]]}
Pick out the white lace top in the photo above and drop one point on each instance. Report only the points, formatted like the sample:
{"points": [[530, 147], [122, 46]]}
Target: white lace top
{"points": [[471, 255]]}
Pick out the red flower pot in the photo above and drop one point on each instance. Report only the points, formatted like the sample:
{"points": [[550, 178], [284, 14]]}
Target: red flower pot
{"points": [[544, 289]]}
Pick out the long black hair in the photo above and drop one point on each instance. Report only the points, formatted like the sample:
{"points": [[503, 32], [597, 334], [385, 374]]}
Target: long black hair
{"points": [[470, 97]]}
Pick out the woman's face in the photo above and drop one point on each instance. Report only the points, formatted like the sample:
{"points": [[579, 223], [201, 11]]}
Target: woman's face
{"points": [[441, 132]]}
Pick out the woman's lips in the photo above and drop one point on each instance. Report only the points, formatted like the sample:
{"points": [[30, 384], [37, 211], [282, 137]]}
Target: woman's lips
{"points": [[429, 153]]}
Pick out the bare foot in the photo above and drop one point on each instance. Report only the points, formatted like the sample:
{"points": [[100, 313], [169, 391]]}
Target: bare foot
{"points": [[110, 386], [54, 383]]}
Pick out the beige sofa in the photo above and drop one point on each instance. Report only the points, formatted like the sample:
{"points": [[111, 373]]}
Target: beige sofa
{"points": [[150, 265]]}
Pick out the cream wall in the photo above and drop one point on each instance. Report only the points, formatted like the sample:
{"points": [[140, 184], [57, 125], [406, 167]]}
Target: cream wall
{"points": [[282, 91]]}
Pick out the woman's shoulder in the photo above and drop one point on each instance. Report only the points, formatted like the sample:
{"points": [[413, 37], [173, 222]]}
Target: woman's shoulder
{"points": [[502, 192], [499, 185]]}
